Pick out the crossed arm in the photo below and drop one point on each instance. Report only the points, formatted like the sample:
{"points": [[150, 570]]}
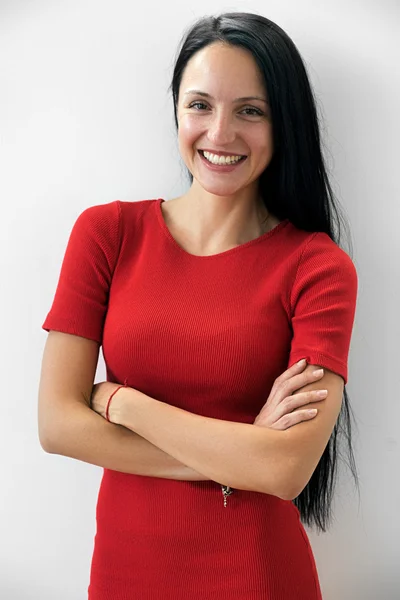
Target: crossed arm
{"points": [[160, 440], [240, 455]]}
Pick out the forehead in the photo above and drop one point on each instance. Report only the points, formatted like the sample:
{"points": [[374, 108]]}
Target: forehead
{"points": [[223, 70]]}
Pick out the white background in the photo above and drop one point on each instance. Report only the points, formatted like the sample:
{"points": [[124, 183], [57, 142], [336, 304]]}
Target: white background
{"points": [[85, 118]]}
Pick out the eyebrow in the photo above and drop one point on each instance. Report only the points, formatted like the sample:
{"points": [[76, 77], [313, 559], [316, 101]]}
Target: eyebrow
{"points": [[243, 99]]}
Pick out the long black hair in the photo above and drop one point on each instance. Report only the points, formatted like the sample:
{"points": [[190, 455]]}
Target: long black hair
{"points": [[294, 185]]}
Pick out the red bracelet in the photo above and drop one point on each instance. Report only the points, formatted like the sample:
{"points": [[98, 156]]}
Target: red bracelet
{"points": [[109, 400]]}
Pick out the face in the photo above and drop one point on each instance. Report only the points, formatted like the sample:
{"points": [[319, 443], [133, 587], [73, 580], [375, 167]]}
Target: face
{"points": [[219, 120]]}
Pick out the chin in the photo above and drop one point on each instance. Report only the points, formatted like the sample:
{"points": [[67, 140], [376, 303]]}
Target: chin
{"points": [[218, 190]]}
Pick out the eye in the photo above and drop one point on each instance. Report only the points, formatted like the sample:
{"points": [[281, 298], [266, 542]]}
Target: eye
{"points": [[249, 111], [256, 111], [196, 104]]}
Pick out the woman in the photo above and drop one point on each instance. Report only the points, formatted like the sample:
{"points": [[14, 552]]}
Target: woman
{"points": [[203, 306]]}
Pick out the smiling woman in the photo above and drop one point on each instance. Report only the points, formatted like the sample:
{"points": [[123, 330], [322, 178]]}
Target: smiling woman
{"points": [[204, 305], [226, 125]]}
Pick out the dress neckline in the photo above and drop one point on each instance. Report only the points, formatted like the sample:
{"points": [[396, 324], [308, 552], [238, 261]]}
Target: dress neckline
{"points": [[243, 246]]}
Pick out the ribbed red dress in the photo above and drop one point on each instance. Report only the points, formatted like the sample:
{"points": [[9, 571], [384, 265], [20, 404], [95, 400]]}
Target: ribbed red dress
{"points": [[208, 334]]}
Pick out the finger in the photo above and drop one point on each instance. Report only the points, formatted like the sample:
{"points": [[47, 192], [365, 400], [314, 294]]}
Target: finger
{"points": [[291, 402], [291, 380], [298, 381], [292, 419], [293, 370], [287, 375]]}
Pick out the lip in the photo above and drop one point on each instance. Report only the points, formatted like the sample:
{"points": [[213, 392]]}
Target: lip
{"points": [[220, 168], [221, 153]]}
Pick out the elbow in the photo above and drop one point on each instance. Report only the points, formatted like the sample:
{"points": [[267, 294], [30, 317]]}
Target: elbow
{"points": [[45, 442], [45, 446], [292, 488], [45, 430], [54, 429], [284, 491], [287, 488], [289, 494], [49, 438]]}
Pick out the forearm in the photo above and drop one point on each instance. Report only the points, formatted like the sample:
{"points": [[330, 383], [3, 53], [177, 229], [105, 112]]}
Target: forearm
{"points": [[84, 435], [239, 455]]}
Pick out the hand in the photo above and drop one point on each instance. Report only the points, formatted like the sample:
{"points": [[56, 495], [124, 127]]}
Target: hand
{"points": [[101, 393], [277, 411]]}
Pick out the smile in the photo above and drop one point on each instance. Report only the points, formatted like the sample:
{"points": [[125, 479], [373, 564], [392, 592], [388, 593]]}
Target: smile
{"points": [[220, 163]]}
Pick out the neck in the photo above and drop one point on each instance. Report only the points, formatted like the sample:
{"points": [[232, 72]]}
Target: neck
{"points": [[217, 223]]}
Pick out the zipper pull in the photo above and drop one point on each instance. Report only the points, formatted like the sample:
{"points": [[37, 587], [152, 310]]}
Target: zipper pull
{"points": [[226, 491]]}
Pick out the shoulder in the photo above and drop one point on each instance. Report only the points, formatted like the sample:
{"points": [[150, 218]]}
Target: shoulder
{"points": [[100, 217], [323, 254], [317, 251], [108, 218], [136, 207], [133, 212], [324, 269]]}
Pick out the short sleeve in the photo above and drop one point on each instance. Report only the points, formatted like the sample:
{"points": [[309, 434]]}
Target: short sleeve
{"points": [[323, 303], [80, 303]]}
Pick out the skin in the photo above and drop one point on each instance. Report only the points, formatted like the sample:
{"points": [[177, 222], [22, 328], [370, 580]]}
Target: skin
{"points": [[222, 210]]}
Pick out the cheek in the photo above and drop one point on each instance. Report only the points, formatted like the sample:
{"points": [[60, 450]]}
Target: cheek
{"points": [[262, 138], [190, 128]]}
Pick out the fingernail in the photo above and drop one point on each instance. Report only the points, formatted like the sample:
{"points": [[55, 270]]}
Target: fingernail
{"points": [[302, 361], [318, 372]]}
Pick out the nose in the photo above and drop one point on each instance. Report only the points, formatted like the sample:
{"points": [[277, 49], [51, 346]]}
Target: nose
{"points": [[221, 129]]}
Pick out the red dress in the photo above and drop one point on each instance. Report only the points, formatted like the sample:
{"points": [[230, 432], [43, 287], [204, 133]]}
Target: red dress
{"points": [[208, 334]]}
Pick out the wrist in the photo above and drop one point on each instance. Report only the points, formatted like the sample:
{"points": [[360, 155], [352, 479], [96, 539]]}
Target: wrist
{"points": [[116, 405], [122, 406]]}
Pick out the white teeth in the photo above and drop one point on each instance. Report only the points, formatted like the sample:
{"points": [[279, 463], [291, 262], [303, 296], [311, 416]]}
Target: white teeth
{"points": [[221, 160]]}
